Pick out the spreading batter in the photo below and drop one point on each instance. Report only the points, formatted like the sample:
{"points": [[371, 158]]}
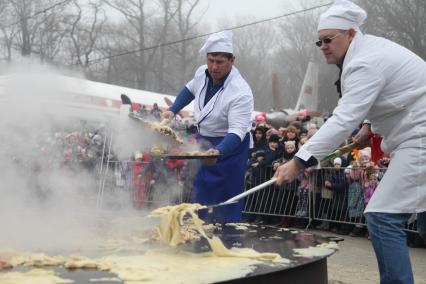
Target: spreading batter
{"points": [[169, 264], [34, 276], [172, 231]]}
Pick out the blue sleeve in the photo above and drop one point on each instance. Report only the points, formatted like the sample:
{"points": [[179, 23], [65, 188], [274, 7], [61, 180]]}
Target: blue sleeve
{"points": [[182, 100], [228, 144]]}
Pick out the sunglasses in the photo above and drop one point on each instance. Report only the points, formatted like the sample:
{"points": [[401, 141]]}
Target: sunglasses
{"points": [[326, 40]]}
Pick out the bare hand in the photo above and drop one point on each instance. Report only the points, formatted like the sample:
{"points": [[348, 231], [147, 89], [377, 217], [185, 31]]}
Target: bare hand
{"points": [[287, 172], [362, 138], [211, 161], [166, 117]]}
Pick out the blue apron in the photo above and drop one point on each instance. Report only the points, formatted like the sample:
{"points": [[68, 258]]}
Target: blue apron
{"points": [[221, 181]]}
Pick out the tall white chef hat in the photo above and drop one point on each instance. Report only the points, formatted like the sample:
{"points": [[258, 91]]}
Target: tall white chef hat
{"points": [[218, 42], [342, 15]]}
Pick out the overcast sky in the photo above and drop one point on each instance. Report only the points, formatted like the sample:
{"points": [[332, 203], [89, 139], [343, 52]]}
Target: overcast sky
{"points": [[259, 9]]}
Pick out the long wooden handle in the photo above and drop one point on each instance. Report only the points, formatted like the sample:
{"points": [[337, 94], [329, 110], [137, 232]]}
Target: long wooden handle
{"points": [[338, 152]]}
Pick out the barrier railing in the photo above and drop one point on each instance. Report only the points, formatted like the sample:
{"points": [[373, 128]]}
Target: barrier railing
{"points": [[148, 183], [327, 195]]}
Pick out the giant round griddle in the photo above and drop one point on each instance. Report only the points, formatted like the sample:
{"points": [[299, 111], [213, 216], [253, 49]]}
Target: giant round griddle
{"points": [[301, 270]]}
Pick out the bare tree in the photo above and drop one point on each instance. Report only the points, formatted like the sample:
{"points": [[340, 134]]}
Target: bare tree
{"points": [[50, 37], [149, 59], [254, 49], [85, 32], [186, 26], [37, 24], [402, 21], [297, 36], [136, 17], [8, 29]]}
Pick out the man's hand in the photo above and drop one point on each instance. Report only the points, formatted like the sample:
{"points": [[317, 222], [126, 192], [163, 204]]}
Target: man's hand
{"points": [[362, 139], [275, 165], [212, 161], [166, 117], [287, 172]]}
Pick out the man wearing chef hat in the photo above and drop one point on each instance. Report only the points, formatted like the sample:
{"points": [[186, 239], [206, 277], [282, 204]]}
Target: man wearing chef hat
{"points": [[223, 103], [385, 83]]}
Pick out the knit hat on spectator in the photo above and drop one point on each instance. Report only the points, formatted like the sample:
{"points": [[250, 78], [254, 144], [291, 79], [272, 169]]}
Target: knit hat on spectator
{"points": [[259, 153], [260, 118], [303, 131], [338, 161], [271, 132], [274, 138]]}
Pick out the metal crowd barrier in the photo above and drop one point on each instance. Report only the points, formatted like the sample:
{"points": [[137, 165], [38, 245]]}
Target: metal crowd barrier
{"points": [[342, 201], [308, 199], [144, 184]]}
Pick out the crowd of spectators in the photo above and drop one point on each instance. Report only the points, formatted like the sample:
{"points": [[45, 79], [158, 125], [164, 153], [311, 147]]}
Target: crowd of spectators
{"points": [[79, 147], [341, 189], [153, 180]]}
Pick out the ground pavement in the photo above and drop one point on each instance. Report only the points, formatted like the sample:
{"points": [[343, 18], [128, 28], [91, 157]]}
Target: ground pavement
{"points": [[355, 262]]}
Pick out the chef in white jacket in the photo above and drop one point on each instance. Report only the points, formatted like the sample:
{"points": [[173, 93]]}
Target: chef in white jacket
{"points": [[384, 83], [223, 103]]}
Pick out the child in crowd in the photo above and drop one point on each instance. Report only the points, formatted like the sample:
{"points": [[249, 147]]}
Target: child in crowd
{"points": [[355, 197], [282, 133], [254, 168], [289, 152], [292, 134], [370, 187], [259, 140]]}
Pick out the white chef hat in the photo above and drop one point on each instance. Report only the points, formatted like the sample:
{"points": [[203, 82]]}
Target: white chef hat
{"points": [[342, 15], [218, 42]]}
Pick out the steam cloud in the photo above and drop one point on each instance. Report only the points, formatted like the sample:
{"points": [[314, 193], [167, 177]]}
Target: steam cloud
{"points": [[43, 206]]}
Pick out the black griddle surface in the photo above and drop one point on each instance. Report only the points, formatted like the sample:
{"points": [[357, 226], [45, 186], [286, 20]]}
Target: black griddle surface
{"points": [[260, 238]]}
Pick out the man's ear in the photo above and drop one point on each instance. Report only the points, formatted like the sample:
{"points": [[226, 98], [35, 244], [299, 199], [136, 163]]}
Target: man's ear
{"points": [[351, 33]]}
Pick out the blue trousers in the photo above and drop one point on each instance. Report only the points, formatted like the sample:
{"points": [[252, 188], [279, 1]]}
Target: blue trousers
{"points": [[390, 245]]}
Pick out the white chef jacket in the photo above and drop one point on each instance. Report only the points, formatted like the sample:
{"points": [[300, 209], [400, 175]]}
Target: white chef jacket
{"points": [[228, 111], [386, 84]]}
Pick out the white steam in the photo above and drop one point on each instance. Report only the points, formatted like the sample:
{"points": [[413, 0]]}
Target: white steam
{"points": [[43, 204]]}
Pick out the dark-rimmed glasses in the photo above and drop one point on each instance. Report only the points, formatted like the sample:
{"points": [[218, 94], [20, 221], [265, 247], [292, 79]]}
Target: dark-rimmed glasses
{"points": [[326, 40]]}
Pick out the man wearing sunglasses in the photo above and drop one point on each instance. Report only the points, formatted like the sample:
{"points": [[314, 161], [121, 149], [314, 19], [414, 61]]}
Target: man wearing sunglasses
{"points": [[385, 83]]}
